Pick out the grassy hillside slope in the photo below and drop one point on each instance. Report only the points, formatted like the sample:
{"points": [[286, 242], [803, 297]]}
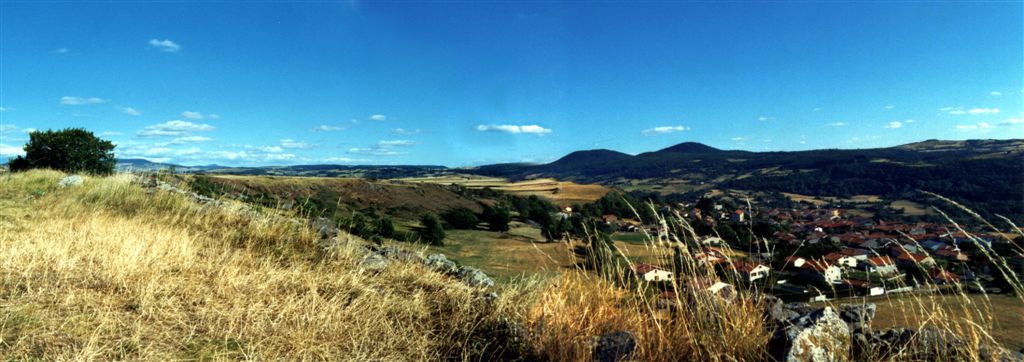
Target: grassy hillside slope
{"points": [[109, 271]]}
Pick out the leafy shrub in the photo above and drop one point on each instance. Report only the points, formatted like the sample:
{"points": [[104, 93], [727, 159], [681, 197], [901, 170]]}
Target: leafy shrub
{"points": [[460, 218], [432, 231], [497, 218]]}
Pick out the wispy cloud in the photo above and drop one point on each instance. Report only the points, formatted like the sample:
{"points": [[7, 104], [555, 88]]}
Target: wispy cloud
{"points": [[165, 45], [974, 127], [663, 130], [111, 133], [765, 118], [2, 109], [894, 125], [956, 111], [383, 148], [403, 131], [130, 111], [515, 129], [838, 124], [61, 50], [10, 151], [1012, 121], [392, 143], [328, 128], [190, 139], [192, 115], [173, 128], [290, 143], [996, 93], [889, 107], [378, 117], [78, 101], [739, 139]]}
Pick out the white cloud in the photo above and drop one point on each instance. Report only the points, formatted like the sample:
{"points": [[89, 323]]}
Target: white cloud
{"points": [[190, 139], [29, 130], [765, 118], [271, 149], [173, 128], [188, 151], [838, 124], [972, 127], [739, 139], [157, 151], [77, 101], [2, 109], [663, 130], [956, 111], [375, 151], [342, 159], [977, 111], [403, 131], [290, 143], [327, 128], [11, 151], [816, 109], [894, 125], [996, 93], [1016, 120], [192, 115], [110, 133], [213, 116], [378, 117], [165, 45], [4, 128], [130, 111], [509, 128], [61, 50], [889, 107], [392, 143]]}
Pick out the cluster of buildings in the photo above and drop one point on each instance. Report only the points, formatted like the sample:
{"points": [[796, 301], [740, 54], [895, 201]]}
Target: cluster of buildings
{"points": [[822, 253]]}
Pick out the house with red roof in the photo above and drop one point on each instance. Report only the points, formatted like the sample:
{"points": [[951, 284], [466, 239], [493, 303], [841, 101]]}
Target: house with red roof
{"points": [[652, 273], [882, 265]]}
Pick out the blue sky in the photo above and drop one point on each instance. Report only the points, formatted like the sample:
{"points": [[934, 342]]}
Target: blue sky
{"points": [[461, 83]]}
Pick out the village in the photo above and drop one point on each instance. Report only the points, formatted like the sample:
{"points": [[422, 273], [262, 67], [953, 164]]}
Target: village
{"points": [[821, 253]]}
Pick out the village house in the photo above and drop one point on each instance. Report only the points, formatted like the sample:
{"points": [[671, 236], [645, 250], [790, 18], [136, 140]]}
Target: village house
{"points": [[943, 277], [881, 265], [738, 216], [856, 253], [841, 260], [749, 270], [652, 273], [865, 287], [912, 260], [821, 270]]}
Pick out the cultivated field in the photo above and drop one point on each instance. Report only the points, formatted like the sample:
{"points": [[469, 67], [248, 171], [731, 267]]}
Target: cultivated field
{"points": [[559, 192]]}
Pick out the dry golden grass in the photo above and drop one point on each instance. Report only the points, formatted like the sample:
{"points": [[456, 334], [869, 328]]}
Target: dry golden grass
{"points": [[106, 272]]}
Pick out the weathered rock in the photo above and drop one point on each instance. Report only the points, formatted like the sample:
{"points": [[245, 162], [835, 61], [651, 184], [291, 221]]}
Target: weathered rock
{"points": [[70, 181], [373, 263], [987, 352], [775, 310], [392, 252], [612, 347], [441, 264], [474, 277], [819, 335], [857, 316], [325, 227]]}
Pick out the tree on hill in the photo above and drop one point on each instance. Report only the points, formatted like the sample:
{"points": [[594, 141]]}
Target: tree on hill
{"points": [[432, 231], [70, 150], [460, 218], [497, 218]]}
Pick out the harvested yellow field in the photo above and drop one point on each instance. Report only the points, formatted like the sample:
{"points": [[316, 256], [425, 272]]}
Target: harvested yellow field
{"points": [[560, 192]]}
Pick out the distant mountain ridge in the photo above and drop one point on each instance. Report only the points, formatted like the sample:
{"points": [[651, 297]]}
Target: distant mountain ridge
{"points": [[985, 174]]}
